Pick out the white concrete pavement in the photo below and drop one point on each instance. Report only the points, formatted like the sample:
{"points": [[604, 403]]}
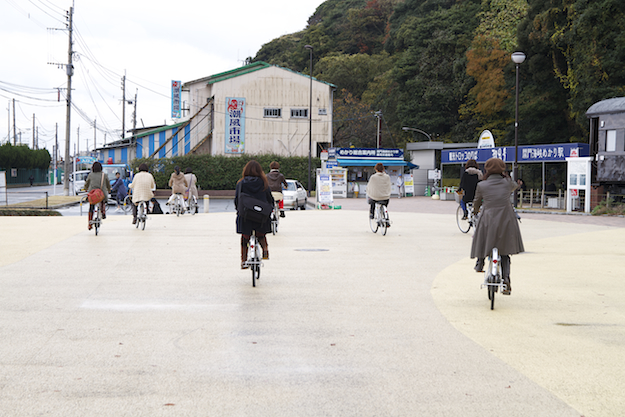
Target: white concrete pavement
{"points": [[342, 323]]}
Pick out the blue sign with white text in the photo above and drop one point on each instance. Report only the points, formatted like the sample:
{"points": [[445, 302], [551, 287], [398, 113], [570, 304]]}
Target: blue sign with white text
{"points": [[557, 152]]}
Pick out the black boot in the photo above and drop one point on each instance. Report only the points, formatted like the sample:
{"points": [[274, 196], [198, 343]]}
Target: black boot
{"points": [[505, 272], [244, 248], [263, 244], [479, 265]]}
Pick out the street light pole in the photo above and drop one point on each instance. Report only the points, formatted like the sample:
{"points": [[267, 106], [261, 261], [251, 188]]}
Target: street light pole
{"points": [[310, 48], [406, 129], [517, 58]]}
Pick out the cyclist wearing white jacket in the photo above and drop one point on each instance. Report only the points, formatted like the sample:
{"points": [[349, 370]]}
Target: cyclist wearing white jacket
{"points": [[378, 188]]}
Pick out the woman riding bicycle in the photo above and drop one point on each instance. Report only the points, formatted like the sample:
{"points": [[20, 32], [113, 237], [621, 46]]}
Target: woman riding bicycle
{"points": [[142, 186], [192, 186], [253, 182], [470, 177], [498, 226], [378, 188], [178, 184], [276, 183], [100, 180]]}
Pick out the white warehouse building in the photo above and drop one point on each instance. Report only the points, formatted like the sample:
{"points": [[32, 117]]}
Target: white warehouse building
{"points": [[262, 108], [256, 109]]}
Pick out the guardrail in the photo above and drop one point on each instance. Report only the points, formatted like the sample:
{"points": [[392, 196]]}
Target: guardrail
{"points": [[25, 199]]}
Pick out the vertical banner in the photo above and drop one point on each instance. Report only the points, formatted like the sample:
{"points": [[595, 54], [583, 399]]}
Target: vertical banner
{"points": [[235, 125], [176, 89]]}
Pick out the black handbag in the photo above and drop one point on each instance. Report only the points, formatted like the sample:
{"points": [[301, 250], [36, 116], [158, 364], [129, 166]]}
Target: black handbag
{"points": [[254, 210]]}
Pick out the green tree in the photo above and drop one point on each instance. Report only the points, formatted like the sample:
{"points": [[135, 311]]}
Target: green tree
{"points": [[353, 72], [431, 71]]}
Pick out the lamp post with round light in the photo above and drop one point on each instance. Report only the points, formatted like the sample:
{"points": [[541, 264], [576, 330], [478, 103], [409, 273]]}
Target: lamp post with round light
{"points": [[517, 58], [310, 48]]}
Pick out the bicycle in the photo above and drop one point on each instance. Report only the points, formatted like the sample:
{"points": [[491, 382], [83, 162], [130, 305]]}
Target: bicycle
{"points": [[192, 204], [493, 281], [275, 218], [254, 257], [142, 214], [96, 221], [465, 224], [127, 206], [380, 219], [178, 206]]}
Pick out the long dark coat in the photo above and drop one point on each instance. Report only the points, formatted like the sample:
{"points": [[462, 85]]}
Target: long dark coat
{"points": [[498, 226], [255, 187]]}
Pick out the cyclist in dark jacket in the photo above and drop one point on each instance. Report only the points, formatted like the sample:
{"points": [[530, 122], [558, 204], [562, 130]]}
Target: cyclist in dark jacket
{"points": [[120, 190], [470, 177], [253, 182], [276, 183]]}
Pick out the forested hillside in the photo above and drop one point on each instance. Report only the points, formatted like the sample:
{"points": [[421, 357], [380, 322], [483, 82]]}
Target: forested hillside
{"points": [[443, 66]]}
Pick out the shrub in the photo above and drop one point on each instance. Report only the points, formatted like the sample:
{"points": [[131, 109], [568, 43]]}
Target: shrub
{"points": [[222, 172]]}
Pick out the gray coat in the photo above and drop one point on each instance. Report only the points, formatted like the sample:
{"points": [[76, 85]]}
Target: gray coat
{"points": [[498, 226]]}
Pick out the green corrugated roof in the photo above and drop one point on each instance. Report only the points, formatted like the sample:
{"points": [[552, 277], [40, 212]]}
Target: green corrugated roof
{"points": [[158, 130], [245, 70]]}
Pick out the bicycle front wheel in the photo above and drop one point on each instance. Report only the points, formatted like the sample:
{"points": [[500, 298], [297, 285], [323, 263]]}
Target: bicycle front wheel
{"points": [[463, 224]]}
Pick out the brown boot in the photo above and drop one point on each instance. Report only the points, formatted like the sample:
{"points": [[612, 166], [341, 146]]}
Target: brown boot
{"points": [[263, 244], [89, 226], [103, 208], [244, 253]]}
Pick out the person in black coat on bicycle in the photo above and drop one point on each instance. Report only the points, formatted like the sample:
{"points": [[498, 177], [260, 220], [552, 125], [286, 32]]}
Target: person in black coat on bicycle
{"points": [[253, 182], [468, 182]]}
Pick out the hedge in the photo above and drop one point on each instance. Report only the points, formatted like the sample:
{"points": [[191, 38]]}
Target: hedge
{"points": [[222, 172]]}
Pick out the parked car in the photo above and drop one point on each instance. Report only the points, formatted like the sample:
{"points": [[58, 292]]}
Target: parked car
{"points": [[295, 195], [79, 181]]}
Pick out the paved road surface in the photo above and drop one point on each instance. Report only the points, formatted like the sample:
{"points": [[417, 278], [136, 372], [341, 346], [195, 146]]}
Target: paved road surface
{"points": [[343, 322]]}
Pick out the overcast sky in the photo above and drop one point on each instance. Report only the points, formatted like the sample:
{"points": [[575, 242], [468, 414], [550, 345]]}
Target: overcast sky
{"points": [[154, 41]]}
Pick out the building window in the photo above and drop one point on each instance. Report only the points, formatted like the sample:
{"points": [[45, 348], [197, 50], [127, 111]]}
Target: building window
{"points": [[323, 112], [299, 113], [273, 112], [610, 141]]}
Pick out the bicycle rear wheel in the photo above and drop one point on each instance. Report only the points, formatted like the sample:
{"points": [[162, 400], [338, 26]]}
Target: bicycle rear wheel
{"points": [[139, 214], [373, 223], [463, 224], [144, 216], [96, 223], [383, 219]]}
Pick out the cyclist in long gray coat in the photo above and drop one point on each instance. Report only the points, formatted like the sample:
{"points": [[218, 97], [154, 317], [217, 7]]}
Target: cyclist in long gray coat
{"points": [[498, 226]]}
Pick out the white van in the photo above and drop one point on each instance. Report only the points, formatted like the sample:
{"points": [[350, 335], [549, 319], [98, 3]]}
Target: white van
{"points": [[79, 181]]}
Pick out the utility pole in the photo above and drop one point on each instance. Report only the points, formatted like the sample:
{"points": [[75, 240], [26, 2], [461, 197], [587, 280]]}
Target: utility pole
{"points": [[124, 105], [378, 140], [134, 113], [94, 133], [33, 130], [14, 128], [56, 146], [70, 72]]}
